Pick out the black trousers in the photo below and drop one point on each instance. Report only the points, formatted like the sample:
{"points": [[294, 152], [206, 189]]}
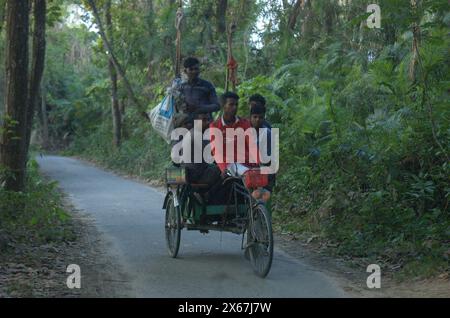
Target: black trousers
{"points": [[203, 174]]}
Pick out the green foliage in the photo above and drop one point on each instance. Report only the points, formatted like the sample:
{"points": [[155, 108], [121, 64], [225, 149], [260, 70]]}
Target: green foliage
{"points": [[143, 154], [54, 12], [364, 147], [36, 214]]}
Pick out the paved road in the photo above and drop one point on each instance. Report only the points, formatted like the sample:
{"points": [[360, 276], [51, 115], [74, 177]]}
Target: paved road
{"points": [[130, 216]]}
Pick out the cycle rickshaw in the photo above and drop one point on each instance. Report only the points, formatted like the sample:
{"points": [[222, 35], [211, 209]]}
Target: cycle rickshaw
{"points": [[239, 213]]}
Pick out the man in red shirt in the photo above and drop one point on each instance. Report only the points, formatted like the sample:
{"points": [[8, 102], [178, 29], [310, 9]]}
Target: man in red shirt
{"points": [[233, 140]]}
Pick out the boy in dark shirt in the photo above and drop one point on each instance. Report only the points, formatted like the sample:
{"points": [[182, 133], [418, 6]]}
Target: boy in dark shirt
{"points": [[258, 100], [258, 121]]}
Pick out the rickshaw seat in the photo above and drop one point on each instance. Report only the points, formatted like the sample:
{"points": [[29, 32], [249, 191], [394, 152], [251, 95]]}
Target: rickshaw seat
{"points": [[198, 186]]}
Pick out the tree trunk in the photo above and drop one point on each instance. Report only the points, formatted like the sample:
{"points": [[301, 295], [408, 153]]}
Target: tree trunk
{"points": [[207, 17], [415, 45], [2, 13], [221, 16], [44, 120], [115, 109], [117, 65], [122, 105], [307, 27], [150, 5], [38, 64], [294, 14], [329, 18], [13, 137]]}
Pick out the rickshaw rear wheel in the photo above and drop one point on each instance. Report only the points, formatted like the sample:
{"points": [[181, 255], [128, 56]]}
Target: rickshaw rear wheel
{"points": [[173, 226], [260, 239]]}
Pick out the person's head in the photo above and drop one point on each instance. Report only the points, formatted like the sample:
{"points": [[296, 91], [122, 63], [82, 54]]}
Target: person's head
{"points": [[256, 99], [257, 115], [192, 68], [205, 118], [230, 101]]}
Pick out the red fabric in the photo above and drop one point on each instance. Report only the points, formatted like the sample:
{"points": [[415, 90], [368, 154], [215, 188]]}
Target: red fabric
{"points": [[232, 66], [251, 149], [254, 179]]}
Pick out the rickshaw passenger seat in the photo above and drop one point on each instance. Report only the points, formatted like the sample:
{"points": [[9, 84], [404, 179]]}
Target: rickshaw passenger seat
{"points": [[198, 186]]}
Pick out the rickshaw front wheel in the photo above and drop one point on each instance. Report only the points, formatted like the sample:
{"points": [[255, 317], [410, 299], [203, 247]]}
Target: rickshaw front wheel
{"points": [[260, 239], [173, 226]]}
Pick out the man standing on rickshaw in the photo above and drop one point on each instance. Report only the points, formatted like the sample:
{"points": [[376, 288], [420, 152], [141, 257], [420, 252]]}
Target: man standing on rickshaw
{"points": [[199, 95], [199, 101]]}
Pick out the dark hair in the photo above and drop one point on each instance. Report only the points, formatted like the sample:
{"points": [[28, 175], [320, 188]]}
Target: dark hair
{"points": [[226, 95], [258, 99], [190, 61], [258, 109]]}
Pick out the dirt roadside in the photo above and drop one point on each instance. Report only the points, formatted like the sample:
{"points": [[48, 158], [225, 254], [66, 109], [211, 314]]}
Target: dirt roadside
{"points": [[39, 271], [353, 278]]}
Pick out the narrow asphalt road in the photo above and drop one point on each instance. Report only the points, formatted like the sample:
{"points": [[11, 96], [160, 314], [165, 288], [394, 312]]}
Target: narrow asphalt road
{"points": [[130, 216]]}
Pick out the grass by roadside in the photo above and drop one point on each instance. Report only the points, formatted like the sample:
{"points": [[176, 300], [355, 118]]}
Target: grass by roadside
{"points": [[36, 215], [145, 155], [422, 256], [33, 228], [40, 235]]}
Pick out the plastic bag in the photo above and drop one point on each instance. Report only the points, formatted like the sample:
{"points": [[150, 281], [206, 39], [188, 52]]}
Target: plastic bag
{"points": [[162, 117], [165, 117]]}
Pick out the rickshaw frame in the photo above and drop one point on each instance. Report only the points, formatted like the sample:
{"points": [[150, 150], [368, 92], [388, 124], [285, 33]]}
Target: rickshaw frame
{"points": [[239, 216]]}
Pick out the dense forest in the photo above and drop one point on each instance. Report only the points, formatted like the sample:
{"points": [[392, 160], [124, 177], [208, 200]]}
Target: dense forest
{"points": [[363, 111]]}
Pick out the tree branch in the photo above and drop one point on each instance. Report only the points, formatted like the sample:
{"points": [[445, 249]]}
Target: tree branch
{"points": [[294, 14], [117, 65]]}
